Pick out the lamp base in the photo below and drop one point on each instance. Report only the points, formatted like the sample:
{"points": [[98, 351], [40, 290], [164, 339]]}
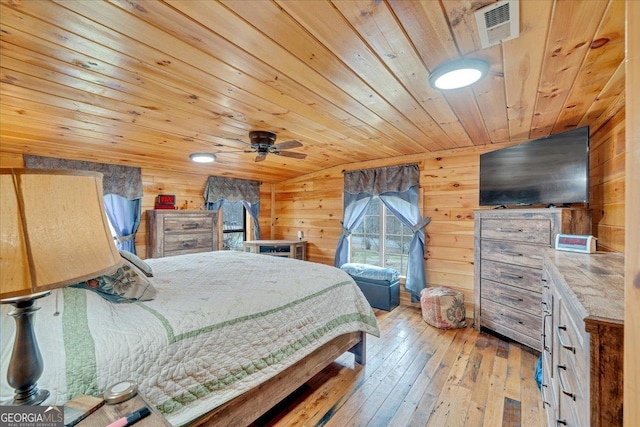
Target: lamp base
{"points": [[25, 365], [28, 399]]}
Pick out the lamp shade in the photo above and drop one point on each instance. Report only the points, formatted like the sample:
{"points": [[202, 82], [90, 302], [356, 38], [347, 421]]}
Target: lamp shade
{"points": [[53, 230]]}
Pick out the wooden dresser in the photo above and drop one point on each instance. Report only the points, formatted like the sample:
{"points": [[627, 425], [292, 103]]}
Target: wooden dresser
{"points": [[583, 340], [296, 249], [174, 232], [508, 266]]}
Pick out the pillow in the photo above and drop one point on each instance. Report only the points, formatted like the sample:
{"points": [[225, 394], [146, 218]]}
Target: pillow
{"points": [[374, 272], [135, 260], [126, 284]]}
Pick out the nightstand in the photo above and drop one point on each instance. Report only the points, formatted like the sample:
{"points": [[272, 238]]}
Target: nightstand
{"points": [[296, 249], [107, 414]]}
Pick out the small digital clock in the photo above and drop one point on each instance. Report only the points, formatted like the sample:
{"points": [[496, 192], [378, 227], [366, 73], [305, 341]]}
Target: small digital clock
{"points": [[165, 201], [576, 243]]}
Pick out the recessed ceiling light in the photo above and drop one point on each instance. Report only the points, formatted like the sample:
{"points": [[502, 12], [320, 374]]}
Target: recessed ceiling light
{"points": [[458, 73], [203, 157]]}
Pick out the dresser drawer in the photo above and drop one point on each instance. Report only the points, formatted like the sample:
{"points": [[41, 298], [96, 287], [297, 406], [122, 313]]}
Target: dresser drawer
{"points": [[188, 224], [572, 399], [518, 299], [570, 344], [517, 230], [502, 318], [187, 243], [566, 415], [523, 254], [521, 277]]}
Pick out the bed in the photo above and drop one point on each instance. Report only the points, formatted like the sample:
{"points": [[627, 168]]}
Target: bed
{"points": [[227, 336]]}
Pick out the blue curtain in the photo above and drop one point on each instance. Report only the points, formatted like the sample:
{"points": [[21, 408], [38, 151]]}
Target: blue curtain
{"points": [[124, 216], [397, 187], [355, 206]]}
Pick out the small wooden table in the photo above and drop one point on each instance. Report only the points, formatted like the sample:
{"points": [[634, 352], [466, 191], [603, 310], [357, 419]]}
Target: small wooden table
{"points": [[107, 414]]}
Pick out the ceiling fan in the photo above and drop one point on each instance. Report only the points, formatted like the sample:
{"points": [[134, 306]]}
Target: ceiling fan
{"points": [[263, 143]]}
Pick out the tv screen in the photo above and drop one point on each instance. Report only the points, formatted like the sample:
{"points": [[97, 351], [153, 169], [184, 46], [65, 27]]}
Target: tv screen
{"points": [[552, 171]]}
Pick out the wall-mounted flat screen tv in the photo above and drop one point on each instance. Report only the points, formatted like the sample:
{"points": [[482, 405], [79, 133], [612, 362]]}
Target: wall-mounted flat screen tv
{"points": [[553, 170]]}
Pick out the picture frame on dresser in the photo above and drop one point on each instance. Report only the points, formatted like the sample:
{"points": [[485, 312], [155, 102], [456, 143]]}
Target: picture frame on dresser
{"points": [[508, 254]]}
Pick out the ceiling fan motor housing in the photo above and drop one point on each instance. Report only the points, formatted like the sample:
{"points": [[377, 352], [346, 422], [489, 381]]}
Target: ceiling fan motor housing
{"points": [[262, 138]]}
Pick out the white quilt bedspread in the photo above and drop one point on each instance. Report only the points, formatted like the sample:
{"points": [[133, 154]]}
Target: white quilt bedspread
{"points": [[221, 323]]}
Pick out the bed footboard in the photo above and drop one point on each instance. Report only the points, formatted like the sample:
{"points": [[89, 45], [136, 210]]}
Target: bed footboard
{"points": [[249, 406]]}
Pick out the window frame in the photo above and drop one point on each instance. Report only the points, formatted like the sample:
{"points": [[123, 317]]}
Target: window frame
{"points": [[382, 236], [242, 230]]}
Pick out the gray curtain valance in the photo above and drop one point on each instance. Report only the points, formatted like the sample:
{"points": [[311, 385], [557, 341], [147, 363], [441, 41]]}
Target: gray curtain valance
{"points": [[124, 181], [231, 189], [382, 180]]}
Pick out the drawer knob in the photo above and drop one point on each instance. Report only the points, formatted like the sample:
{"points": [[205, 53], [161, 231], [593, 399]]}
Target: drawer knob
{"points": [[513, 276], [560, 328], [190, 225], [563, 422], [563, 389]]}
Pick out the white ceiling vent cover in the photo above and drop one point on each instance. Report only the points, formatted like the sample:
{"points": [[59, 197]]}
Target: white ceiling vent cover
{"points": [[498, 22]]}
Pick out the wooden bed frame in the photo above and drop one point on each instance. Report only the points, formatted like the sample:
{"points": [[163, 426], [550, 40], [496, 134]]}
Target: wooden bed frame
{"points": [[249, 406]]}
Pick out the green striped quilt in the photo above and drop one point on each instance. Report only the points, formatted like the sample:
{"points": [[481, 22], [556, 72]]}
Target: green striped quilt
{"points": [[221, 323]]}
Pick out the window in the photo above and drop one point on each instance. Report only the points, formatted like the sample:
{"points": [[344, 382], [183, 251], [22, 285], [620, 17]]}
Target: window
{"points": [[234, 226], [381, 239]]}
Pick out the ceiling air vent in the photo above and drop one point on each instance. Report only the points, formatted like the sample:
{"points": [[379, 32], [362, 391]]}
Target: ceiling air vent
{"points": [[498, 22]]}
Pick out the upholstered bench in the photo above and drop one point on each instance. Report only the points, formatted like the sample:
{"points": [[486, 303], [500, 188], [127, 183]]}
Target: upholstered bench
{"points": [[381, 286], [443, 307]]}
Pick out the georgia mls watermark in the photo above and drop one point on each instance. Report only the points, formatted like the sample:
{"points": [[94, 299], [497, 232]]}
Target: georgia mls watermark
{"points": [[31, 416]]}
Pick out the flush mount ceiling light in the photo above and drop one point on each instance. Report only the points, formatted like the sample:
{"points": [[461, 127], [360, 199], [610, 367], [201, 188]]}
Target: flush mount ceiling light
{"points": [[202, 157], [458, 73]]}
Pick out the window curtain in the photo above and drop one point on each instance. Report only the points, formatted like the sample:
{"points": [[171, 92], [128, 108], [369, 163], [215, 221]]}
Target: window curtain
{"points": [[122, 188], [397, 187], [124, 216], [218, 190]]}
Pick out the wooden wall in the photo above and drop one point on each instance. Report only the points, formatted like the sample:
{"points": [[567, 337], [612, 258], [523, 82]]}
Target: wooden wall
{"points": [[449, 183], [607, 182]]}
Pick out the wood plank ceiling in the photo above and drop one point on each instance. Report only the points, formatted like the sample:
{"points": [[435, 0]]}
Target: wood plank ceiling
{"points": [[145, 83]]}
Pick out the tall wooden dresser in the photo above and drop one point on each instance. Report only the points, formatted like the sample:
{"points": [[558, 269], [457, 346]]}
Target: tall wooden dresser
{"points": [[583, 340], [508, 250], [174, 232]]}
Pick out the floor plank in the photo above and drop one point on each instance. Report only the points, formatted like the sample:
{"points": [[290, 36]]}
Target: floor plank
{"points": [[418, 375]]}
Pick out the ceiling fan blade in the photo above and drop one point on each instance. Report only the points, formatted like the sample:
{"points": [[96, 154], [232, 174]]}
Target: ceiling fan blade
{"points": [[260, 157], [288, 145], [291, 154], [237, 140]]}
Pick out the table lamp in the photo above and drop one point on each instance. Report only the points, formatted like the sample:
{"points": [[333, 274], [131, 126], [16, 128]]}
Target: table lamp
{"points": [[53, 233]]}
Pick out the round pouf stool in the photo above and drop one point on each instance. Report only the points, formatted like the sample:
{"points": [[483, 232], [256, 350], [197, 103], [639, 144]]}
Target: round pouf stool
{"points": [[443, 307]]}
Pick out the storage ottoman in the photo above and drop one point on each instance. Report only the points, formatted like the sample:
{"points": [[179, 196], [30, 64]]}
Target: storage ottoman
{"points": [[381, 286], [443, 307]]}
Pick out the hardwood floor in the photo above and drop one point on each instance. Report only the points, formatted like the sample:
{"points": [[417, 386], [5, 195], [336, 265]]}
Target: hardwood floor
{"points": [[418, 375]]}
